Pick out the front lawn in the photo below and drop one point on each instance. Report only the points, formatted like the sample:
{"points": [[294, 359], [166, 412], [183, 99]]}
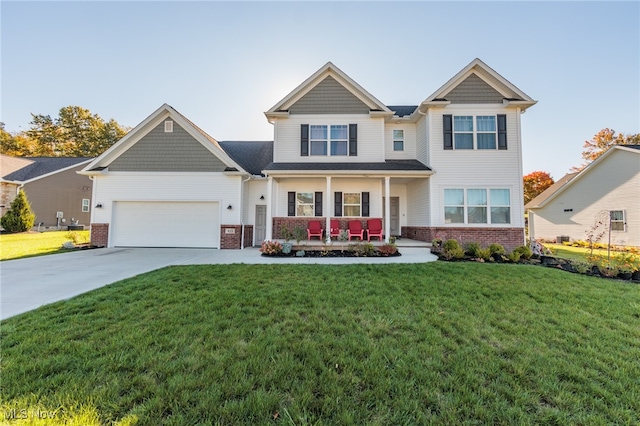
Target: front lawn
{"points": [[28, 244], [437, 343]]}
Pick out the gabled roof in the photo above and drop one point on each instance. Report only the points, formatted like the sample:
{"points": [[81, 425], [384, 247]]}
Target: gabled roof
{"points": [[30, 168], [281, 108], [157, 117], [252, 156], [512, 95], [569, 179]]}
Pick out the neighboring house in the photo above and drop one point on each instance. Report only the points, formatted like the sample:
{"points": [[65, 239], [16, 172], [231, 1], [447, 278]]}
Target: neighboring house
{"points": [[450, 167], [58, 195], [607, 188]]}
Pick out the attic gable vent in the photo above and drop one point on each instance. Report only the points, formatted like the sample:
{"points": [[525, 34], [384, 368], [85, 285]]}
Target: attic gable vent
{"points": [[168, 126]]}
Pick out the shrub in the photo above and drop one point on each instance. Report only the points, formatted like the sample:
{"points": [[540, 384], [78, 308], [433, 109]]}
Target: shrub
{"points": [[514, 256], [484, 254], [388, 249], [496, 248], [472, 249], [451, 249], [362, 249], [19, 218], [271, 247], [581, 267], [525, 252]]}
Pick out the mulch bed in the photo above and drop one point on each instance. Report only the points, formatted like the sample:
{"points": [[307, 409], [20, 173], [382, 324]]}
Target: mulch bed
{"points": [[330, 253]]}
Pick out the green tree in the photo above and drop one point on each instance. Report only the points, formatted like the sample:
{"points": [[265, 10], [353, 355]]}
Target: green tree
{"points": [[19, 217], [74, 133], [535, 183], [601, 142]]}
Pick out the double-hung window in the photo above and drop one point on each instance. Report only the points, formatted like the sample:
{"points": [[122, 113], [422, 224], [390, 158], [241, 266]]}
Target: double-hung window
{"points": [[85, 205], [477, 206], [304, 204], [617, 220], [398, 140], [339, 139], [351, 204], [318, 140], [477, 132]]}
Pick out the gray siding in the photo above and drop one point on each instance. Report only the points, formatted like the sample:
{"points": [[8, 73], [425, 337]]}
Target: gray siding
{"points": [[329, 97], [473, 90], [60, 192], [158, 151]]}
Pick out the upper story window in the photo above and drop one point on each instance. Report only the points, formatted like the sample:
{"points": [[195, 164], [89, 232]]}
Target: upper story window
{"points": [[477, 206], [85, 205], [332, 140], [475, 132], [398, 140]]}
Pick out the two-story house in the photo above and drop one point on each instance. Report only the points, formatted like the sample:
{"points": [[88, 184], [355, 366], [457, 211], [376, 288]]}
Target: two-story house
{"points": [[450, 167]]}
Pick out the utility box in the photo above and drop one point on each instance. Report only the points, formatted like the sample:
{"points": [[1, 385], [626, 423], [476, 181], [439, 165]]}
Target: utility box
{"points": [[562, 238]]}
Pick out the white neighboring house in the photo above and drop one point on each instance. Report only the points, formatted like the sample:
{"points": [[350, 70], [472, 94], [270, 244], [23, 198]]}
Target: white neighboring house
{"points": [[607, 188], [449, 167]]}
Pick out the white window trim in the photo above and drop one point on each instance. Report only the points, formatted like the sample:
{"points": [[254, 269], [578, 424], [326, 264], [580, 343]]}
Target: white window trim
{"points": [[475, 132], [623, 221], [328, 141], [312, 204], [168, 126], [86, 205], [400, 140], [359, 204], [488, 206]]}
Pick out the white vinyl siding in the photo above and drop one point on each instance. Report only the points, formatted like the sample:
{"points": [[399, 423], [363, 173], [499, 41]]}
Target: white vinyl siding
{"points": [[484, 168], [612, 185], [409, 151], [286, 147]]}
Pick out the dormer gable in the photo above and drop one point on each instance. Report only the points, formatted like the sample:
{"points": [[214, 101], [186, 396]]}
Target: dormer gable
{"points": [[166, 141], [477, 83], [328, 91]]}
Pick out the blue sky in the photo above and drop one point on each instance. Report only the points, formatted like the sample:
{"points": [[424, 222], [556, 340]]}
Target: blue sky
{"points": [[222, 64]]}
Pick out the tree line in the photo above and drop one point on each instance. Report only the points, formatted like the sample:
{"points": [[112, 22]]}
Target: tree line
{"points": [[75, 132]]}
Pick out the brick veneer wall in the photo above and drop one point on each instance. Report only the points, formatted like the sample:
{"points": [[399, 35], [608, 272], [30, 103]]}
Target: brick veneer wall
{"points": [[99, 234], [292, 222], [510, 238], [230, 241]]}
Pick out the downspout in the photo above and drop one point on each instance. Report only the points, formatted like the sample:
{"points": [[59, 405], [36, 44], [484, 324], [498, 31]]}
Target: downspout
{"points": [[242, 211]]}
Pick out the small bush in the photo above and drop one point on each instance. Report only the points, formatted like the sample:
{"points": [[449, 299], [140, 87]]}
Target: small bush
{"points": [[451, 249], [514, 256], [472, 249], [484, 254], [388, 249], [581, 267], [271, 247], [525, 252], [496, 248], [362, 249]]}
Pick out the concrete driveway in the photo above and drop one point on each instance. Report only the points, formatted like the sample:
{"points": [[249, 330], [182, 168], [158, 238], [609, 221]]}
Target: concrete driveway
{"points": [[26, 284]]}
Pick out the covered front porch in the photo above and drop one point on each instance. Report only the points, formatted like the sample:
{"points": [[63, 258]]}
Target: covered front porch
{"points": [[397, 198]]}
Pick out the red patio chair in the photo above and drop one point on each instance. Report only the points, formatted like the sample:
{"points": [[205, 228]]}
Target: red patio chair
{"points": [[314, 229], [355, 229], [335, 228], [374, 229]]}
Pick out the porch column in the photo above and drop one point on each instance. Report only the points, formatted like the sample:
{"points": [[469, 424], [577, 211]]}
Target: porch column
{"points": [[327, 211], [269, 230], [387, 209]]}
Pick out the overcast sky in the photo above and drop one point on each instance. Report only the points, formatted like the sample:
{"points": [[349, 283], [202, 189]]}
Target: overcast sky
{"points": [[222, 64]]}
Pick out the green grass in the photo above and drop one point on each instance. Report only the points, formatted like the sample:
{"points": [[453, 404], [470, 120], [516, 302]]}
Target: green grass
{"points": [[437, 343], [27, 244]]}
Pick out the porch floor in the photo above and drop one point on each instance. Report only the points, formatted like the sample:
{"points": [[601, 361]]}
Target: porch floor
{"points": [[400, 242]]}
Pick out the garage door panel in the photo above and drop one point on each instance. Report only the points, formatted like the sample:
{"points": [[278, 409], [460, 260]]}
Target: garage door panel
{"points": [[166, 224]]}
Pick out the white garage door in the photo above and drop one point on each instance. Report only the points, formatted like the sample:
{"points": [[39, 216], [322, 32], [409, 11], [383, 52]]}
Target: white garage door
{"points": [[165, 224]]}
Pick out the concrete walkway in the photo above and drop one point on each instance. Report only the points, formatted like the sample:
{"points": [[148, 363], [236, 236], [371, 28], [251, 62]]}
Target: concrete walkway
{"points": [[26, 284]]}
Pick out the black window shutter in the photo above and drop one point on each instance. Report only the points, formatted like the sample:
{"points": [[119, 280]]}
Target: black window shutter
{"points": [[318, 202], [337, 211], [365, 204], [447, 127], [291, 203], [304, 140], [353, 140], [502, 131]]}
